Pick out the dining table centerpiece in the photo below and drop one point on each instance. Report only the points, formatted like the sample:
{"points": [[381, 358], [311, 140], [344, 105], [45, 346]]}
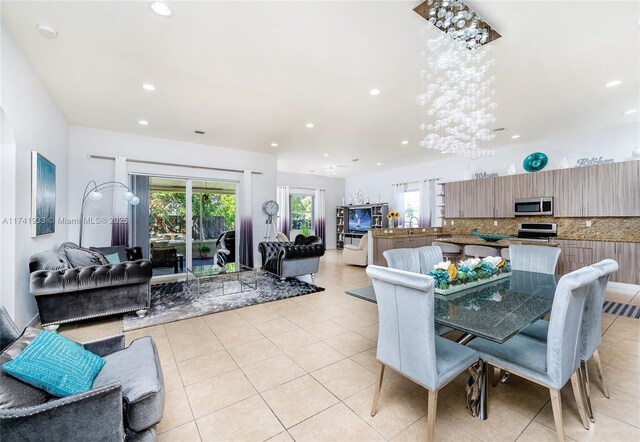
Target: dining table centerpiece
{"points": [[451, 278]]}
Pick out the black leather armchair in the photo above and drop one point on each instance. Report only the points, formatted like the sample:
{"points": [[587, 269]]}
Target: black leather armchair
{"points": [[286, 259]]}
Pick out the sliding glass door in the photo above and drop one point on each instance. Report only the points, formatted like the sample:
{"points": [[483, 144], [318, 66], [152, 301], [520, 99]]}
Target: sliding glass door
{"points": [[181, 222]]}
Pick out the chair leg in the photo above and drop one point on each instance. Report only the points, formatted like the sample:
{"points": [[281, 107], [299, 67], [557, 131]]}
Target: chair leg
{"points": [[376, 396], [596, 358], [586, 389], [431, 414], [497, 374], [556, 405], [577, 392]]}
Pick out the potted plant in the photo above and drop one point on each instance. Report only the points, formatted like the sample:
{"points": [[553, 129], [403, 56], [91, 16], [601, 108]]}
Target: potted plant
{"points": [[204, 251]]}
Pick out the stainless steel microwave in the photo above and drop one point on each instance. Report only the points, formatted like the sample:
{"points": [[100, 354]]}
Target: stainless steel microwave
{"points": [[542, 206]]}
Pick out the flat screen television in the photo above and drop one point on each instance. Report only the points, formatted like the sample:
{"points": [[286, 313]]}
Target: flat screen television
{"points": [[359, 219]]}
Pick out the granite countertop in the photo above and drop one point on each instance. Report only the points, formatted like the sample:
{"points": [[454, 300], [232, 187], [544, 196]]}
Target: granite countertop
{"points": [[474, 240], [406, 232]]}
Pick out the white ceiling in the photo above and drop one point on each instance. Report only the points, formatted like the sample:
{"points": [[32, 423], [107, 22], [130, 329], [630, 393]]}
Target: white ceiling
{"points": [[253, 73]]}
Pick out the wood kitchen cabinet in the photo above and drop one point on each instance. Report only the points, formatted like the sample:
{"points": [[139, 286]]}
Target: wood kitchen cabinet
{"points": [[505, 190], [453, 199], [612, 190], [406, 242], [568, 185], [577, 254]]}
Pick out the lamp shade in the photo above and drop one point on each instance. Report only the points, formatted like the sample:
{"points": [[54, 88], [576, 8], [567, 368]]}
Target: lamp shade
{"points": [[128, 196], [95, 196], [134, 201]]}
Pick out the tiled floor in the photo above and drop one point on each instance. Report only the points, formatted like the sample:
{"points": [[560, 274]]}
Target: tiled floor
{"points": [[304, 369]]}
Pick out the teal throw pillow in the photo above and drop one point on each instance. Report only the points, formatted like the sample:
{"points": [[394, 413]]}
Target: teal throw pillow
{"points": [[56, 364], [113, 258]]}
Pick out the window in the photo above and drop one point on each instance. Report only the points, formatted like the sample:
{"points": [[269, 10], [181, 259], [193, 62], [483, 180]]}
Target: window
{"points": [[411, 207], [301, 214]]}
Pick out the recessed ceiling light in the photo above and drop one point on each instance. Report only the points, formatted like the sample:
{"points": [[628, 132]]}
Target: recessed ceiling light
{"points": [[161, 9], [309, 125], [325, 155], [631, 111], [148, 87], [515, 137], [274, 144], [374, 92], [199, 132], [378, 164], [355, 160], [47, 31], [404, 142], [613, 83], [499, 129], [143, 123]]}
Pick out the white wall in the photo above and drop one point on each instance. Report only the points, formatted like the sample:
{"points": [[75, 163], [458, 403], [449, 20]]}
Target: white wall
{"points": [[31, 121], [334, 193], [616, 142], [85, 141]]}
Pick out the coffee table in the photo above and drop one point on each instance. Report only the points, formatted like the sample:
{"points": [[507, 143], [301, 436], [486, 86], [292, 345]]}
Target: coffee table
{"points": [[232, 278]]}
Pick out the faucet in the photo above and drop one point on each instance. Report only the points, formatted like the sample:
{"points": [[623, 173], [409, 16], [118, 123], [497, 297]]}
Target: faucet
{"points": [[411, 220]]}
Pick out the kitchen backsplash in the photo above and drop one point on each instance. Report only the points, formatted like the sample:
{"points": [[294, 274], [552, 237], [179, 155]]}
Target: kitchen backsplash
{"points": [[602, 229]]}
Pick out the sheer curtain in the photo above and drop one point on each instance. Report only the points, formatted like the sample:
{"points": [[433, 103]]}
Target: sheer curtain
{"points": [[319, 215], [284, 223], [120, 230], [140, 214], [398, 202], [425, 203], [246, 224]]}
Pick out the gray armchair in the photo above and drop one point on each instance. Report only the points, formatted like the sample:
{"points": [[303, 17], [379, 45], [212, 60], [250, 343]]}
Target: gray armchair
{"points": [[125, 403], [406, 339], [67, 293]]}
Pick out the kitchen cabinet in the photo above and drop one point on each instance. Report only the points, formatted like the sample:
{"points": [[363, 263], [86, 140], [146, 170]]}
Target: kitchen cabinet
{"points": [[577, 254], [568, 185], [453, 199], [505, 190], [405, 242], [612, 189], [594, 191]]}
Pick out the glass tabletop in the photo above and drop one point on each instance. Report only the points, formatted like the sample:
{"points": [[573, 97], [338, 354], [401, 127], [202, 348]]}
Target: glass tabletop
{"points": [[499, 310], [212, 270]]}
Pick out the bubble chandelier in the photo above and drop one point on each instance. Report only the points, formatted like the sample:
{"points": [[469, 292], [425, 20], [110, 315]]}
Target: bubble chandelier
{"points": [[457, 88]]}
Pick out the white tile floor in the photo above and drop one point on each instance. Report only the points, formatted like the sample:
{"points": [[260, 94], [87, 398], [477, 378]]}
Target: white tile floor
{"points": [[304, 369]]}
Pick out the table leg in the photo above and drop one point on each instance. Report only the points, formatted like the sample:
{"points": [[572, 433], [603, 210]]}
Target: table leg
{"points": [[477, 389]]}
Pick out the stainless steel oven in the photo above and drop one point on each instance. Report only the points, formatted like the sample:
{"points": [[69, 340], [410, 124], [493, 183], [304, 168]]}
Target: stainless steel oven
{"points": [[542, 206]]}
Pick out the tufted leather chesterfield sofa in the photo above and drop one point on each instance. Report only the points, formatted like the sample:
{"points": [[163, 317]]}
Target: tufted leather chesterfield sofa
{"points": [[67, 294], [286, 259]]}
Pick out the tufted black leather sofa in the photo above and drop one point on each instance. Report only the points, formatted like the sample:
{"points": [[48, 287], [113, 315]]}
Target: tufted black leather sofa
{"points": [[286, 259], [67, 294]]}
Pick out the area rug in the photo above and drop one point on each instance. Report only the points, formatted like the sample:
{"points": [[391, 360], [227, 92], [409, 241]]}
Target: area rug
{"points": [[174, 301]]}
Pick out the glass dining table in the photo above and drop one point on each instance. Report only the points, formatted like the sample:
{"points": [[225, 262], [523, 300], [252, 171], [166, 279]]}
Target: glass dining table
{"points": [[495, 311]]}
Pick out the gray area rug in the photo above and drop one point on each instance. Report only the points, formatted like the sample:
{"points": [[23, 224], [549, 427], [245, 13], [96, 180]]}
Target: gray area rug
{"points": [[174, 301]]}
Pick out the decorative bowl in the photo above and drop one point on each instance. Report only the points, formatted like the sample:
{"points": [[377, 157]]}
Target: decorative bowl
{"points": [[489, 236], [535, 162]]}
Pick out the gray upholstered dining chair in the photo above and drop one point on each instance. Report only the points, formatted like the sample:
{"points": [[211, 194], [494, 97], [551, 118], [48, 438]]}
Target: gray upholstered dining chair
{"points": [[553, 361], [539, 259], [406, 339], [591, 332], [418, 260], [473, 251]]}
